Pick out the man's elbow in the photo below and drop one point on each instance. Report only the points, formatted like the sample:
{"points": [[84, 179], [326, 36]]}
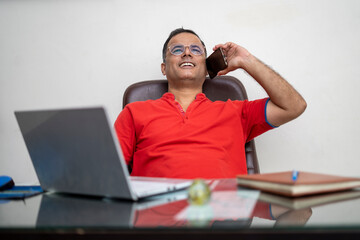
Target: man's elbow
{"points": [[302, 106], [299, 108]]}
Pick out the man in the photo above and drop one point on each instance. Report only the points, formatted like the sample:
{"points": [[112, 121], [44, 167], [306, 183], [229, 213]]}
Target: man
{"points": [[184, 134]]}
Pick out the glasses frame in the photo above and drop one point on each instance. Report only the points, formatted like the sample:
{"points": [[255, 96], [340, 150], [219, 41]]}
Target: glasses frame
{"points": [[202, 47]]}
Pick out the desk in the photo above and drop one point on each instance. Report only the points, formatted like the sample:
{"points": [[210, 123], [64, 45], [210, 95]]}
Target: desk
{"points": [[59, 216]]}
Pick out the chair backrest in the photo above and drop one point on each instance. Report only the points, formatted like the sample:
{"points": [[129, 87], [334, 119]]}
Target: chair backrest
{"points": [[220, 88]]}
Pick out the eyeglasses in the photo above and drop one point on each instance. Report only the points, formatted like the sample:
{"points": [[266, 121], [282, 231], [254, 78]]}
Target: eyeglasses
{"points": [[178, 49]]}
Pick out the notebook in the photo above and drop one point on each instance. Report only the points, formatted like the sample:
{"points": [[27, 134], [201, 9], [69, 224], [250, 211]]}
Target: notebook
{"points": [[307, 183], [76, 151]]}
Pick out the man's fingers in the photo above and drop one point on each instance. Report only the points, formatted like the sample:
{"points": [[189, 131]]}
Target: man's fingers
{"points": [[222, 72], [218, 46]]}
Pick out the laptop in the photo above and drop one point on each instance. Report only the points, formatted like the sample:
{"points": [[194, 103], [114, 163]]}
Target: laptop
{"points": [[76, 151]]}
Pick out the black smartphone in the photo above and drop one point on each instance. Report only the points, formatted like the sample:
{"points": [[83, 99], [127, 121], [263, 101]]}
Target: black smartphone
{"points": [[216, 62]]}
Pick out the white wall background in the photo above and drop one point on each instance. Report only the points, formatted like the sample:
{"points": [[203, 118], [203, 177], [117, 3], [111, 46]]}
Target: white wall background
{"points": [[72, 53]]}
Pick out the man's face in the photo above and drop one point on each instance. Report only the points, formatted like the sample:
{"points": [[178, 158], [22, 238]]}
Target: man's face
{"points": [[186, 66]]}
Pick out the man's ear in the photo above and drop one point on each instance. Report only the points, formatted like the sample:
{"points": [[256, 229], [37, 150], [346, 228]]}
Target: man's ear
{"points": [[163, 67]]}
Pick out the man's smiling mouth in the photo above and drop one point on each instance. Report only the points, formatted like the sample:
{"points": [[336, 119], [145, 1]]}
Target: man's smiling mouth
{"points": [[187, 64]]}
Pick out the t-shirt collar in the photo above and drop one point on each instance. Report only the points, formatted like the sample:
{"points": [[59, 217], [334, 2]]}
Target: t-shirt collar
{"points": [[171, 96]]}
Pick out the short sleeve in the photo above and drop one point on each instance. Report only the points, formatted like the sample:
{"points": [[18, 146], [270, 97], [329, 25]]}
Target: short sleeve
{"points": [[253, 117]]}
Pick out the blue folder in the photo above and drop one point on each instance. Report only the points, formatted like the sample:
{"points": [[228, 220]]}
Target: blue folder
{"points": [[20, 192]]}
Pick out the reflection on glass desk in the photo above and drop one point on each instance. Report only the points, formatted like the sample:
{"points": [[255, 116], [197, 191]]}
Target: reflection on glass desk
{"points": [[232, 213]]}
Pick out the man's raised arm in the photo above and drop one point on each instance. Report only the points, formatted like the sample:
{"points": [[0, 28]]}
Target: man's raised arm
{"points": [[285, 102]]}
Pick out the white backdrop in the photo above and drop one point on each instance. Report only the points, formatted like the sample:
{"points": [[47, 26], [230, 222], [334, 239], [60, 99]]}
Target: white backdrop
{"points": [[72, 53]]}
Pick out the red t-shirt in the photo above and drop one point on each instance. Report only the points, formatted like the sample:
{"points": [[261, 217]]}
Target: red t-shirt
{"points": [[159, 139]]}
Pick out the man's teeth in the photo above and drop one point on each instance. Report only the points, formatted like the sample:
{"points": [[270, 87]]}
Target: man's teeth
{"points": [[187, 64]]}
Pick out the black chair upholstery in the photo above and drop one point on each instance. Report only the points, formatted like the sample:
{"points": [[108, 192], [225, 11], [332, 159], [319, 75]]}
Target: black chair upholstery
{"points": [[220, 88]]}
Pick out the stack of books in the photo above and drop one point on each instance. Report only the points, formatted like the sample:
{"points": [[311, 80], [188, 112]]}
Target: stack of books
{"points": [[297, 190]]}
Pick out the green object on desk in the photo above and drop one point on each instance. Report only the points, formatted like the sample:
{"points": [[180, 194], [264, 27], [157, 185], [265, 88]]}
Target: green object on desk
{"points": [[20, 192], [199, 192]]}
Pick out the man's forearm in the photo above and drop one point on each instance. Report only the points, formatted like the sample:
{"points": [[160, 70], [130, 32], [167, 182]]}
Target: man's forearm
{"points": [[286, 102]]}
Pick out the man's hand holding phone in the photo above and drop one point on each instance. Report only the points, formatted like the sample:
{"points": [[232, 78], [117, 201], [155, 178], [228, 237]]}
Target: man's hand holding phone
{"points": [[236, 56]]}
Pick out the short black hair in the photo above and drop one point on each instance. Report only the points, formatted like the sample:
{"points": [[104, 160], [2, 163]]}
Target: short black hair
{"points": [[173, 34]]}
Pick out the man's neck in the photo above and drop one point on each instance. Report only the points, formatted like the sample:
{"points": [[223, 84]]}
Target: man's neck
{"points": [[185, 96]]}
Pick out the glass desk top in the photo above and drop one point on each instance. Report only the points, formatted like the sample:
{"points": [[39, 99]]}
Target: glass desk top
{"points": [[230, 210]]}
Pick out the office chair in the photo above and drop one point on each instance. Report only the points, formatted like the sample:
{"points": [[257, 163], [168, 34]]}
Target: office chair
{"points": [[220, 88]]}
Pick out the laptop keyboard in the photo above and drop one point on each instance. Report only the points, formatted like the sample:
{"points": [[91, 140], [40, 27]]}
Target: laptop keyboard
{"points": [[146, 187]]}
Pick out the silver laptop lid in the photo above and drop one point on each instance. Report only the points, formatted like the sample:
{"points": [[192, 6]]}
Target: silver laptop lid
{"points": [[75, 151]]}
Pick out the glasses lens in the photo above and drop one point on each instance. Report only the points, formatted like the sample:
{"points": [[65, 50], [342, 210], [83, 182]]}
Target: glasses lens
{"points": [[177, 49], [196, 49]]}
